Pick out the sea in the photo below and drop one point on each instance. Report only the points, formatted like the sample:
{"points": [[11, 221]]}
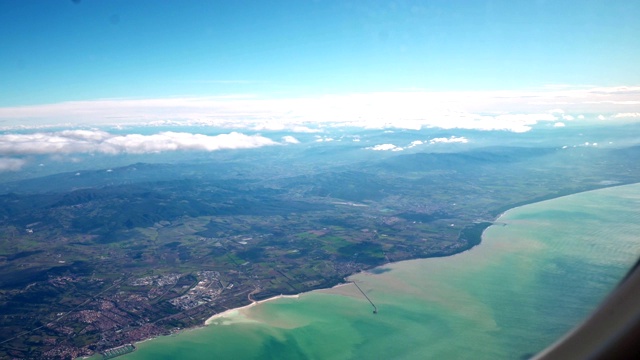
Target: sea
{"points": [[539, 271]]}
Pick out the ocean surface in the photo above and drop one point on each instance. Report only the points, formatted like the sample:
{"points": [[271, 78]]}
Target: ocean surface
{"points": [[538, 272]]}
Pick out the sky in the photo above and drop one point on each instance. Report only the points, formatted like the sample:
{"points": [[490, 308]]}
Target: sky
{"points": [[55, 51], [248, 67]]}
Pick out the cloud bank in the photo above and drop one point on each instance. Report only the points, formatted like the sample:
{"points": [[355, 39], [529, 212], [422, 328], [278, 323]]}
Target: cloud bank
{"points": [[97, 141], [516, 111]]}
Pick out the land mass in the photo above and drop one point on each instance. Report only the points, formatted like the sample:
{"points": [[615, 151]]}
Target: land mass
{"points": [[106, 258]]}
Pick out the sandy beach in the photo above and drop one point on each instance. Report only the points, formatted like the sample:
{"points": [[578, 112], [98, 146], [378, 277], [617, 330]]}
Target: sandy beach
{"points": [[234, 310], [340, 289]]}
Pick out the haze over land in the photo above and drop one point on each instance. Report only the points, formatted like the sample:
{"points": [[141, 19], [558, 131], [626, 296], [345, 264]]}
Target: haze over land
{"points": [[114, 250]]}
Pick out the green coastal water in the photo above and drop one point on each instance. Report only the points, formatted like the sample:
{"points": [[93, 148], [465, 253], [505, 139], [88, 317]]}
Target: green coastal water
{"points": [[539, 271]]}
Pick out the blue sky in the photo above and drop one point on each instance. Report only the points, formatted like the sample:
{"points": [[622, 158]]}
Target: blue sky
{"points": [[55, 51]]}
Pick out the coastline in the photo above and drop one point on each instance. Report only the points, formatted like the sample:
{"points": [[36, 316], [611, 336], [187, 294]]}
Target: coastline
{"points": [[228, 312], [342, 285], [497, 213], [210, 320], [471, 244]]}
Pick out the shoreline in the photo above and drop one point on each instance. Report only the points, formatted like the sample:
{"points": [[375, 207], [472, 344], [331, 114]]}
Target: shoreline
{"points": [[476, 240], [503, 209], [210, 320], [214, 317]]}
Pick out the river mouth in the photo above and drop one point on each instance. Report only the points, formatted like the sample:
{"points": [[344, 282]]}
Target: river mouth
{"points": [[537, 273]]}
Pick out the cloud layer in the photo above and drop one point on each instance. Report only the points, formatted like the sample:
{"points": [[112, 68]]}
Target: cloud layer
{"points": [[515, 111], [97, 141]]}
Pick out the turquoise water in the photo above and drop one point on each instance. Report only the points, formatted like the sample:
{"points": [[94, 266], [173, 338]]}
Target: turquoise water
{"points": [[539, 271]]}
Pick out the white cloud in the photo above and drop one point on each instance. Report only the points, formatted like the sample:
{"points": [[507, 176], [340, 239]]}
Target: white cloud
{"points": [[385, 147], [11, 164], [290, 139], [452, 139], [558, 124], [277, 126], [568, 117], [627, 102], [323, 139], [516, 111], [304, 129], [601, 117], [415, 143], [581, 117], [627, 115], [97, 141], [89, 135]]}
